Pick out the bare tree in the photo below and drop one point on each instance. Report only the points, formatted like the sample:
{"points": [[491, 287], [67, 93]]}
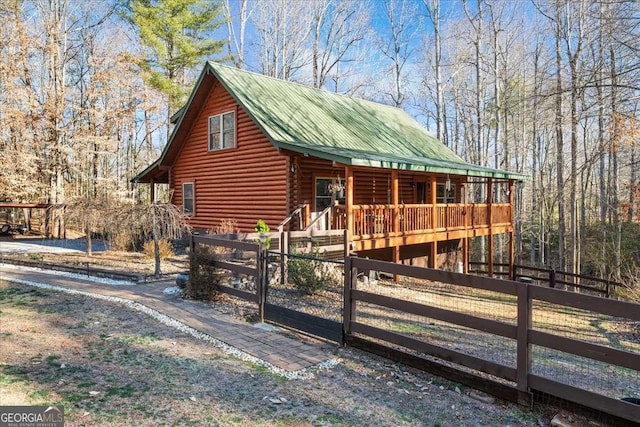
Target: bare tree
{"points": [[155, 221], [283, 28], [395, 45], [339, 27], [433, 12], [91, 215], [236, 30]]}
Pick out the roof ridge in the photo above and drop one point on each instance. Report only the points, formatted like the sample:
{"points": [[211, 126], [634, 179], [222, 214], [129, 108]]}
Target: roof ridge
{"points": [[308, 87]]}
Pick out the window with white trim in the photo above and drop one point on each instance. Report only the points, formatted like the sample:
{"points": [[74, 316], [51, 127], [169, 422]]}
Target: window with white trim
{"points": [[188, 199], [222, 131]]}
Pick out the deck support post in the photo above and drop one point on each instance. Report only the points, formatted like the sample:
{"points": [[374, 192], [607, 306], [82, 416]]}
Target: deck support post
{"points": [[434, 255], [465, 255]]}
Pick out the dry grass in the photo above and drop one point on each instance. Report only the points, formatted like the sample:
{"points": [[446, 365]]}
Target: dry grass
{"points": [[131, 262], [57, 349]]}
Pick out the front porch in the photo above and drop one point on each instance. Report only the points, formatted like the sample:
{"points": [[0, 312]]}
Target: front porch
{"points": [[438, 218], [377, 226]]}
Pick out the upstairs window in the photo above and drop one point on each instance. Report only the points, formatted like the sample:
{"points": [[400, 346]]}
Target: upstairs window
{"points": [[222, 131], [188, 199]]}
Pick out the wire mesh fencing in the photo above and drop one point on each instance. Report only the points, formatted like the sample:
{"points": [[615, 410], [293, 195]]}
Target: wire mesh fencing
{"points": [[436, 332], [307, 284], [614, 333]]}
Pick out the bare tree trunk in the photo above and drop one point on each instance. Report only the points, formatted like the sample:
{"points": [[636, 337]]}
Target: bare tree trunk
{"points": [[433, 11], [615, 203], [156, 242], [633, 184], [574, 57], [236, 38], [481, 153], [559, 141]]}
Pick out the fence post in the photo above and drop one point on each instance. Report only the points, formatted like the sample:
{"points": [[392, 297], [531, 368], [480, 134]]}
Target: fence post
{"points": [[192, 244], [552, 278], [261, 280], [608, 289], [284, 249], [349, 311], [523, 358]]}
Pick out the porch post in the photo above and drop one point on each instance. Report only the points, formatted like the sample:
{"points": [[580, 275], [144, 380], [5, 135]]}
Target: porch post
{"points": [[434, 223], [348, 200], [467, 223], [434, 211], [152, 184], [395, 198], [490, 221]]}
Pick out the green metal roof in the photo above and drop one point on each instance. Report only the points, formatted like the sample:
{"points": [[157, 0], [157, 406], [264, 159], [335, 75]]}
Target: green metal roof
{"points": [[322, 124], [336, 127]]}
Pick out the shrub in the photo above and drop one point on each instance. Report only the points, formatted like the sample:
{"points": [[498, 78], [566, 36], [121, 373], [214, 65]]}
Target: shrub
{"points": [[263, 228], [226, 226], [165, 246], [129, 240], [204, 278], [308, 275]]}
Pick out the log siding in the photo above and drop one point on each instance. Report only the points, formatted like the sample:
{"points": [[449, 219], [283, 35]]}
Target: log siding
{"points": [[242, 184]]}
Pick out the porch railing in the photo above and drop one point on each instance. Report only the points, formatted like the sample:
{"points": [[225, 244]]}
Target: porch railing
{"points": [[420, 218]]}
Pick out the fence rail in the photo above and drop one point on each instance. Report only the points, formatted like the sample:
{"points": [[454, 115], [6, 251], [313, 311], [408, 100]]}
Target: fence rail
{"points": [[529, 374], [550, 277], [512, 339]]}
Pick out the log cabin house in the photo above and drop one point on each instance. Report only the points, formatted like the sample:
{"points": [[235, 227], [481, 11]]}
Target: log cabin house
{"points": [[248, 147]]}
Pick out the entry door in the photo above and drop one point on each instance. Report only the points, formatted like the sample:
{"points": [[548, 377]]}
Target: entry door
{"points": [[421, 192], [325, 198]]}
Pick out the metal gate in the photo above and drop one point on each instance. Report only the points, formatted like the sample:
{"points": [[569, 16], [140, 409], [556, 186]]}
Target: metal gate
{"points": [[305, 293]]}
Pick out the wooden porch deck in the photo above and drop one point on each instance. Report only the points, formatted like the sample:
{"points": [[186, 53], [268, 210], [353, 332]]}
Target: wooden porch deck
{"points": [[377, 226]]}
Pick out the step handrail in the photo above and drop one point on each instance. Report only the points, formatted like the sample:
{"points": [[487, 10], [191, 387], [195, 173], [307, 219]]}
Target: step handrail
{"points": [[289, 217]]}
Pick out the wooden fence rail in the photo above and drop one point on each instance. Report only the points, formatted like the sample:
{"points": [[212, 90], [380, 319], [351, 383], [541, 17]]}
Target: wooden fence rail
{"points": [[550, 277], [524, 381], [518, 382]]}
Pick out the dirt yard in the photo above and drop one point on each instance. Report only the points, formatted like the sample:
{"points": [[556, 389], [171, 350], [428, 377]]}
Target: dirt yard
{"points": [[130, 262], [109, 365]]}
